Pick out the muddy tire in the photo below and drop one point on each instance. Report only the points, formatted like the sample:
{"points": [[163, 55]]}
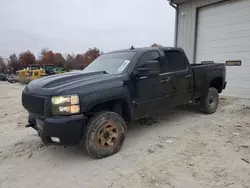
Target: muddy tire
{"points": [[104, 134], [210, 101]]}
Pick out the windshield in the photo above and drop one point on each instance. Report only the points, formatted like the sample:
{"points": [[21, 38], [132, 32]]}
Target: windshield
{"points": [[112, 63]]}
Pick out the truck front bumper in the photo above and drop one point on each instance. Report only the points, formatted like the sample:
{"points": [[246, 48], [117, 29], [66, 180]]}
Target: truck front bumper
{"points": [[65, 130]]}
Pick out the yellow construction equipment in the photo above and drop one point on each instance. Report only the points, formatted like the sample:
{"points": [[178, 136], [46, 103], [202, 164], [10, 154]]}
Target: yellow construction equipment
{"points": [[33, 72]]}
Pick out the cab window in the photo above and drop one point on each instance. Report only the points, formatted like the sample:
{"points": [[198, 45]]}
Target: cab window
{"points": [[149, 56], [176, 61]]}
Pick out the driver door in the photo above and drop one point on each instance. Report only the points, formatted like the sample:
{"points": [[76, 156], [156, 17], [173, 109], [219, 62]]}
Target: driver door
{"points": [[148, 89]]}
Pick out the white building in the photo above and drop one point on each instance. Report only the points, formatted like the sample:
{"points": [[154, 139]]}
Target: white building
{"points": [[217, 30]]}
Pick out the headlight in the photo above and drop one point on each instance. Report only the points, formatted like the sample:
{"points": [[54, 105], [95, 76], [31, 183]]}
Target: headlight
{"points": [[65, 105]]}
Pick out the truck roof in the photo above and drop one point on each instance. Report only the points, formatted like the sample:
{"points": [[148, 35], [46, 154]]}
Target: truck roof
{"points": [[145, 49]]}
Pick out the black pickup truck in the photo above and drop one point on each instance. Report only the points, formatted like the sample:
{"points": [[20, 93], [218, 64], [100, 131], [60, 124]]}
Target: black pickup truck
{"points": [[94, 105]]}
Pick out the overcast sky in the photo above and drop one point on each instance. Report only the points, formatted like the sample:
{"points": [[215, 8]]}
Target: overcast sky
{"points": [[72, 26]]}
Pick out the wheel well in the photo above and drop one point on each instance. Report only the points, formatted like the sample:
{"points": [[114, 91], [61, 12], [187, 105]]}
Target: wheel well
{"points": [[119, 106], [217, 83]]}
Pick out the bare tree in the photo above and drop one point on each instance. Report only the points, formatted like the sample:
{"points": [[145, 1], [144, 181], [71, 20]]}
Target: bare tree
{"points": [[13, 64], [3, 66]]}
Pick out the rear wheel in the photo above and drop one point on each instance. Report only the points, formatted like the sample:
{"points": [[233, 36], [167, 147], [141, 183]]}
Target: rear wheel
{"points": [[104, 134], [210, 101]]}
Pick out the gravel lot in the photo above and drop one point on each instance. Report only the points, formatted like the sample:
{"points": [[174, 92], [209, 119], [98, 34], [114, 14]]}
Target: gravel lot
{"points": [[173, 149]]}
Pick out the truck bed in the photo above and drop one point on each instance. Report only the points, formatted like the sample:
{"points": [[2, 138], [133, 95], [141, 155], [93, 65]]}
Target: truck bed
{"points": [[200, 72], [208, 66]]}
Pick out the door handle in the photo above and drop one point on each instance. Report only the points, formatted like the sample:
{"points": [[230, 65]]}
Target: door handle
{"points": [[188, 76], [164, 80], [143, 77]]}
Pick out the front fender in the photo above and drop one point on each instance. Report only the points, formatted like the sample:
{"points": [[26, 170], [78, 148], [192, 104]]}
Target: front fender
{"points": [[99, 97]]}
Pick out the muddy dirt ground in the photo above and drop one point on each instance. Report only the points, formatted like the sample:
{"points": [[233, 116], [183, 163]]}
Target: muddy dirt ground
{"points": [[173, 149]]}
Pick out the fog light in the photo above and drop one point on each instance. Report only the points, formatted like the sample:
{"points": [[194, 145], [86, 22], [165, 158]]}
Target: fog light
{"points": [[55, 139]]}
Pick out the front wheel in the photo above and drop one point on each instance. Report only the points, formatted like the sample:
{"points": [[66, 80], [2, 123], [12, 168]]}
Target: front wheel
{"points": [[210, 101], [104, 134]]}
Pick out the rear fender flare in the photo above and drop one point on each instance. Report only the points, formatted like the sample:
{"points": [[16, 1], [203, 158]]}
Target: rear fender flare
{"points": [[209, 76]]}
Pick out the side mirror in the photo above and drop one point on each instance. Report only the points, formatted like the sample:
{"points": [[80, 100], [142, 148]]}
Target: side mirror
{"points": [[151, 68]]}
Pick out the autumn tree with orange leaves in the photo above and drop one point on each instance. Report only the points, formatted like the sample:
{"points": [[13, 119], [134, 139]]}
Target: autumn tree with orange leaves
{"points": [[51, 58], [90, 56], [59, 60], [27, 58], [83, 60], [48, 58], [79, 61]]}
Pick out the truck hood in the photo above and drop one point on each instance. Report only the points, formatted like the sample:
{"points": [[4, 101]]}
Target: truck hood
{"points": [[66, 83]]}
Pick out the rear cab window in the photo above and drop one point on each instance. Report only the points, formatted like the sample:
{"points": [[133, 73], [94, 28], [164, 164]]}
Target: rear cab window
{"points": [[176, 61]]}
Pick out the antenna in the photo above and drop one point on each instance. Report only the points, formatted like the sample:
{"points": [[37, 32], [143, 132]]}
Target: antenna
{"points": [[132, 48]]}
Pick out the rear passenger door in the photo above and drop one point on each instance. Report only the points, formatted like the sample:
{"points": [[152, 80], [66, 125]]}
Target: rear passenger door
{"points": [[167, 84], [183, 83]]}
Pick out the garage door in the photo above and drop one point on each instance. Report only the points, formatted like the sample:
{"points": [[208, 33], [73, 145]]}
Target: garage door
{"points": [[224, 34]]}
